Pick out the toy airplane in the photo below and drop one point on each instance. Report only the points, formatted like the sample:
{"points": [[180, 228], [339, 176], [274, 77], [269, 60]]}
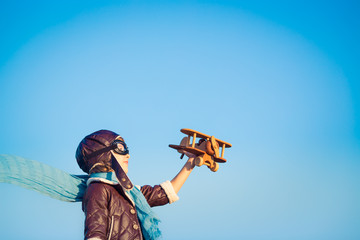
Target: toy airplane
{"points": [[207, 150]]}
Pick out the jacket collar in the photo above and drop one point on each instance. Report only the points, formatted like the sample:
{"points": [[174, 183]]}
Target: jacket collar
{"points": [[105, 177]]}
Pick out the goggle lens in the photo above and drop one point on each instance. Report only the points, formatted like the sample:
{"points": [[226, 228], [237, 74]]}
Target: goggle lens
{"points": [[121, 147]]}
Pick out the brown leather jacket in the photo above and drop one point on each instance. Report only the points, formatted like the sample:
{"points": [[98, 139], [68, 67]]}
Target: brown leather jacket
{"points": [[110, 214]]}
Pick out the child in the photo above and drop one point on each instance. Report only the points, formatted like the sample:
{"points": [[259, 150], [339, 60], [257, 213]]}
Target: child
{"points": [[114, 208]]}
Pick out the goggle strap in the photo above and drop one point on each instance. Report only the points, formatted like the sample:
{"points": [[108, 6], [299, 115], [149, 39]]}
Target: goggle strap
{"points": [[98, 152]]}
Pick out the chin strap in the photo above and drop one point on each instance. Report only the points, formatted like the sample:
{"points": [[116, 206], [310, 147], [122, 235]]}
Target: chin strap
{"points": [[121, 175]]}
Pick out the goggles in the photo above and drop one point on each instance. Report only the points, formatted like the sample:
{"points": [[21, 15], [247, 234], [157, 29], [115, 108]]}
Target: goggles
{"points": [[118, 146]]}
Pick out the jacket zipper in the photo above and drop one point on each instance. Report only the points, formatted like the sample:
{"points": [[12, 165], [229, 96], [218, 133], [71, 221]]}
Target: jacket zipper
{"points": [[111, 227]]}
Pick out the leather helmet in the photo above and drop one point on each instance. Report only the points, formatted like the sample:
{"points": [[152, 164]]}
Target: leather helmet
{"points": [[95, 142]]}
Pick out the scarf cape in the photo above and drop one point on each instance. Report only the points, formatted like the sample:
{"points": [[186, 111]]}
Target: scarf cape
{"points": [[66, 187]]}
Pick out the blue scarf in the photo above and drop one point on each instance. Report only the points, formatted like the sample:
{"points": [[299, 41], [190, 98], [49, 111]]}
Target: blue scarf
{"points": [[63, 186]]}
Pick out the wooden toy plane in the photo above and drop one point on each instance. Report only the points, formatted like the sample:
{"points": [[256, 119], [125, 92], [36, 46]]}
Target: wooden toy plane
{"points": [[207, 150]]}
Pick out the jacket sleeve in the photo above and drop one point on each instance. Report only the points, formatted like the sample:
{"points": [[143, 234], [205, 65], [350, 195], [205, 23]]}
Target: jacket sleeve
{"points": [[159, 194], [95, 207]]}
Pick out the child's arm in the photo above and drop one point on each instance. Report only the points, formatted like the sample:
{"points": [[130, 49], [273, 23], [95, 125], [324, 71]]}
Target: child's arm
{"points": [[184, 173]]}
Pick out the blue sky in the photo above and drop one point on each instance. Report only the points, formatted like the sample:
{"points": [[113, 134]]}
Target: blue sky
{"points": [[280, 81]]}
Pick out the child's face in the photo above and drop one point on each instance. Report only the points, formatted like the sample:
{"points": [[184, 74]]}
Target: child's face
{"points": [[123, 160]]}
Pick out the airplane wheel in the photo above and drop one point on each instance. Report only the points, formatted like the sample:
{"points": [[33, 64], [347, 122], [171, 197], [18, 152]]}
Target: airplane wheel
{"points": [[199, 161], [215, 167]]}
